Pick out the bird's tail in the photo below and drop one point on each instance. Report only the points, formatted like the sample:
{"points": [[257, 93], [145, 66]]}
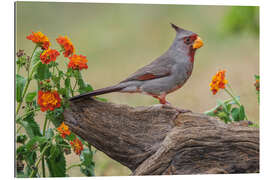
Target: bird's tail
{"points": [[98, 92]]}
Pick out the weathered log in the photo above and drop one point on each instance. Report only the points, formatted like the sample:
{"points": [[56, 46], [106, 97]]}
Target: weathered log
{"points": [[156, 140]]}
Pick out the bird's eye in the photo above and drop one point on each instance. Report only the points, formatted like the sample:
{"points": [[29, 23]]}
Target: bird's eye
{"points": [[187, 40]]}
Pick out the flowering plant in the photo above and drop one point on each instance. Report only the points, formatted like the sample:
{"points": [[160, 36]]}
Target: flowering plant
{"points": [[229, 110], [38, 151]]}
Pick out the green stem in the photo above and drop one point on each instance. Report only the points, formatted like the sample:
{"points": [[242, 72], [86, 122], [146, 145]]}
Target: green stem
{"points": [[236, 101], [230, 88], [18, 69], [43, 167], [38, 161], [31, 59], [43, 161], [76, 81], [72, 93], [73, 165], [45, 125]]}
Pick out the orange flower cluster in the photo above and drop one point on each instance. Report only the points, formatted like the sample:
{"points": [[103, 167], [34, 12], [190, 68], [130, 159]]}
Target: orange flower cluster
{"points": [[218, 82], [40, 39], [77, 62], [66, 44], [76, 146], [63, 130], [48, 100], [49, 55]]}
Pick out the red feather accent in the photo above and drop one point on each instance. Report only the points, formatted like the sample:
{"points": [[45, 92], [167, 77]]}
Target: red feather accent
{"points": [[146, 77]]}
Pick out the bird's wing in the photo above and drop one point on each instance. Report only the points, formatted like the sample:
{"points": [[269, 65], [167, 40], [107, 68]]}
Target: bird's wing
{"points": [[161, 67]]}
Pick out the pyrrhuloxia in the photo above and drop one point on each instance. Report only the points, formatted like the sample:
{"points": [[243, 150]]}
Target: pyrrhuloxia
{"points": [[164, 75]]}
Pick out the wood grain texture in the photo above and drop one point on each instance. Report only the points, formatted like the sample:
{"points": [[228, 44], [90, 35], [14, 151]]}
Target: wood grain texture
{"points": [[156, 140]]}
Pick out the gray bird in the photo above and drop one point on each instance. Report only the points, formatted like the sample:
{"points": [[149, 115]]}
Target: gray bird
{"points": [[165, 74]]}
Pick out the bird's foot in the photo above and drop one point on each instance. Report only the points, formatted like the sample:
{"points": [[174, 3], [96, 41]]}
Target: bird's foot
{"points": [[168, 105]]}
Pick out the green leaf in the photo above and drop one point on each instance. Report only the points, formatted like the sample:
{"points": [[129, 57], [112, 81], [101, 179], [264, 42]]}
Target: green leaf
{"points": [[257, 77], [81, 83], [226, 119], [221, 104], [210, 112], [56, 81], [40, 140], [49, 133], [20, 83], [229, 107], [20, 152], [235, 114], [21, 138], [87, 165], [21, 175], [63, 92], [62, 143], [242, 113], [83, 87], [67, 87], [29, 156], [86, 88], [67, 83], [30, 126], [56, 116], [36, 56], [221, 114], [42, 72], [30, 96], [56, 161]]}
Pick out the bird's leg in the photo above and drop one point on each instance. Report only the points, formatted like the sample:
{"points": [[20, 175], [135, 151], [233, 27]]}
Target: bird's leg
{"points": [[162, 100]]}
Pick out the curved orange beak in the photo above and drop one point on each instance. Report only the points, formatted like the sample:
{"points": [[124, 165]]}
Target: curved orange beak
{"points": [[197, 43]]}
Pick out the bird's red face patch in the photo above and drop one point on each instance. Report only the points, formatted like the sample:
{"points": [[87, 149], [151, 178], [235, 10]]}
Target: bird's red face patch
{"points": [[190, 39]]}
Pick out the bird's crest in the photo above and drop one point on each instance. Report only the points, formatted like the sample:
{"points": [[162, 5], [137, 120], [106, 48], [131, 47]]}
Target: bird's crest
{"points": [[177, 29]]}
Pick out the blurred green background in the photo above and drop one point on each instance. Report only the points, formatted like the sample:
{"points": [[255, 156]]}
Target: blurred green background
{"points": [[120, 38]]}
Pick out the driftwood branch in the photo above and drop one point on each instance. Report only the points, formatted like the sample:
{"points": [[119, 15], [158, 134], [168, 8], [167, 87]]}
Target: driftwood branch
{"points": [[156, 140]]}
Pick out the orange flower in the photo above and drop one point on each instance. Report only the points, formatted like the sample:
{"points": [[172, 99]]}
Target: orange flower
{"points": [[49, 55], [48, 100], [218, 82], [78, 62], [77, 146], [40, 39], [63, 130], [66, 44]]}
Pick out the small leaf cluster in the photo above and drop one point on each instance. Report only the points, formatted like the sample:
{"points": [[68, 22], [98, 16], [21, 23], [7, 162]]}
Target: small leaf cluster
{"points": [[228, 111]]}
